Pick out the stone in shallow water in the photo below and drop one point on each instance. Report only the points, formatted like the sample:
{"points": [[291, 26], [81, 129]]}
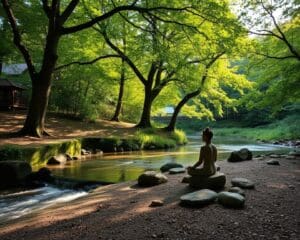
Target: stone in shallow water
{"points": [[241, 155], [166, 167], [177, 170], [237, 190], [273, 162], [216, 181], [242, 183], [198, 198], [275, 156], [151, 178], [58, 159], [230, 199]]}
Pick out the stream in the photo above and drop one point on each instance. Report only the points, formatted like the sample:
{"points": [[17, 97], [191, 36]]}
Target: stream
{"points": [[118, 167]]}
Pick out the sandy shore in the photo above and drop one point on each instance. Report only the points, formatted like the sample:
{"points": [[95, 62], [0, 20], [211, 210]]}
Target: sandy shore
{"points": [[122, 211]]}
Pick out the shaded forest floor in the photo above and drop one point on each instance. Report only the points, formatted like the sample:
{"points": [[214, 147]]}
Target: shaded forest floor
{"points": [[121, 211], [61, 129]]}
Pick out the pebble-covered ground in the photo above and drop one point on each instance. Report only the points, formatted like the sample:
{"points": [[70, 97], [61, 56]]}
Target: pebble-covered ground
{"points": [[121, 211]]}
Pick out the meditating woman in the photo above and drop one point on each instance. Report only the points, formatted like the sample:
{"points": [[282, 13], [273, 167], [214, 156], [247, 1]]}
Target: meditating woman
{"points": [[208, 156]]}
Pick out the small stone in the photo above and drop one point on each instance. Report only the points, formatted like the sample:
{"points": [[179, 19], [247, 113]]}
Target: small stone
{"points": [[273, 162], [242, 183], [156, 203], [177, 170], [230, 199], [186, 179], [166, 167], [237, 190], [198, 198]]}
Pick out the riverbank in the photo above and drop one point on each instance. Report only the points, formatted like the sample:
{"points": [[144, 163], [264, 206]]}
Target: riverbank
{"points": [[121, 211], [70, 136]]}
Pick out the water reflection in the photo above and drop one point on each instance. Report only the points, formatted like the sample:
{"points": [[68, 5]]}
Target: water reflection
{"points": [[128, 166]]}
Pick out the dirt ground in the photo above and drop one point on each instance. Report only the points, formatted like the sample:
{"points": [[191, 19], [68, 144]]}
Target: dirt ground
{"points": [[122, 211], [60, 129]]}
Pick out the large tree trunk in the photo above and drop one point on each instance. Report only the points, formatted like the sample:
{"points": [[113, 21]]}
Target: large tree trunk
{"points": [[145, 121], [34, 123], [41, 85], [1, 64], [121, 93], [172, 123]]}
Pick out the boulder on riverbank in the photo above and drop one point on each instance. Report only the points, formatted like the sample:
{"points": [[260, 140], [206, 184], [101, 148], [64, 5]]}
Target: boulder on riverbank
{"points": [[215, 182], [242, 183], [198, 198], [151, 178], [241, 155], [13, 173], [231, 200]]}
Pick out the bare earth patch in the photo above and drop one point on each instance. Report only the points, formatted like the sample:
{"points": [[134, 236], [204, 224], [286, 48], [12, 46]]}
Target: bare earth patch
{"points": [[61, 129], [122, 211]]}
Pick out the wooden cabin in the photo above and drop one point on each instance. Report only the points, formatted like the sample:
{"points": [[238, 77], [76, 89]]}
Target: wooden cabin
{"points": [[11, 95]]}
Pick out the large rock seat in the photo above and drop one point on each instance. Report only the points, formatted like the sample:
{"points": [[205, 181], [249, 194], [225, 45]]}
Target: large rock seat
{"points": [[151, 178], [215, 182]]}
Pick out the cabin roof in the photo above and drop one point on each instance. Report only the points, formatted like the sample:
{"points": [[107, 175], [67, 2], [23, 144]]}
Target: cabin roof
{"points": [[6, 83], [14, 69]]}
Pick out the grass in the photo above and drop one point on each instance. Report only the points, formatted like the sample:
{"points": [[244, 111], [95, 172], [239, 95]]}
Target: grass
{"points": [[158, 139]]}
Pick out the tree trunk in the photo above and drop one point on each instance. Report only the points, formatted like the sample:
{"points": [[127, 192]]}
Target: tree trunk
{"points": [[34, 124], [172, 123], [145, 121], [41, 85], [121, 93]]}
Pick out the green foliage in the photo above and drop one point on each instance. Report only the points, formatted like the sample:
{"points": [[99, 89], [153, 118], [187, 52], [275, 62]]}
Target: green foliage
{"points": [[157, 139], [288, 128]]}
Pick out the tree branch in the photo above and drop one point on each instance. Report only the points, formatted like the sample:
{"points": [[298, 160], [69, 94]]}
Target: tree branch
{"points": [[88, 62], [46, 7], [18, 40], [68, 11], [112, 12], [125, 57]]}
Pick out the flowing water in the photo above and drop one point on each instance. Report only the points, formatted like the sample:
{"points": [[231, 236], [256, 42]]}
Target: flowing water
{"points": [[118, 168]]}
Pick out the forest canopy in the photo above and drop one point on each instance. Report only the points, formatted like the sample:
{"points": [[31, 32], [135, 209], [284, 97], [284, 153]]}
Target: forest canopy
{"points": [[130, 60]]}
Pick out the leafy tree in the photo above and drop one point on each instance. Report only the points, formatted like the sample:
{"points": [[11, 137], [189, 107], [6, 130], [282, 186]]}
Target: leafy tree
{"points": [[56, 26]]}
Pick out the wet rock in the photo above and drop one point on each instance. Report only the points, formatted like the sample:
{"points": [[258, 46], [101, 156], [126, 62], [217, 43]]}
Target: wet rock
{"points": [[237, 190], [215, 182], [241, 155], [177, 170], [186, 179], [151, 178], [75, 158], [58, 159], [273, 162], [42, 175], [242, 183], [198, 198], [166, 167], [68, 157], [230, 199], [13, 173], [85, 152], [156, 203]]}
